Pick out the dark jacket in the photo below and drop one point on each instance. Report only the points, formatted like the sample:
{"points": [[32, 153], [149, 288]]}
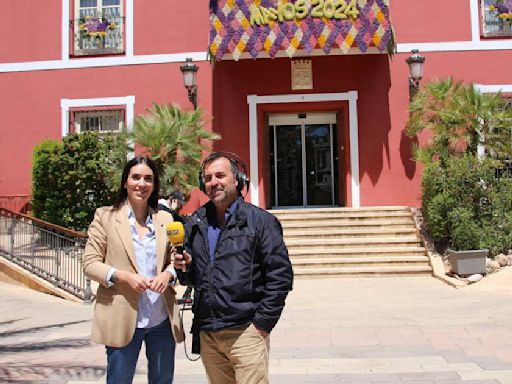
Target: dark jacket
{"points": [[250, 277]]}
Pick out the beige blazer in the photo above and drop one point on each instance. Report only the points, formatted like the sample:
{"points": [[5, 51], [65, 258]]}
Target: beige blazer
{"points": [[109, 245]]}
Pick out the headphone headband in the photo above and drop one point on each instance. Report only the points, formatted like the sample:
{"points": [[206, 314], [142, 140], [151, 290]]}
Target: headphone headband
{"points": [[234, 160]]}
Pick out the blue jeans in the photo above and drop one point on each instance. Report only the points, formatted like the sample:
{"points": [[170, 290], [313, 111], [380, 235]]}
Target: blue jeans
{"points": [[160, 348]]}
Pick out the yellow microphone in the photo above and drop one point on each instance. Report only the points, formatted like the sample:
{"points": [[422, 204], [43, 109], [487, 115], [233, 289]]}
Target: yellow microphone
{"points": [[176, 235]]}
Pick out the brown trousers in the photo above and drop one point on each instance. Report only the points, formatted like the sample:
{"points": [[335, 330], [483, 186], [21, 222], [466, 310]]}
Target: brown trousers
{"points": [[237, 355]]}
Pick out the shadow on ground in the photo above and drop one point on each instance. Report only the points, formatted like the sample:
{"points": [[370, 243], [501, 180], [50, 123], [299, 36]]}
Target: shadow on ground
{"points": [[36, 329], [45, 345]]}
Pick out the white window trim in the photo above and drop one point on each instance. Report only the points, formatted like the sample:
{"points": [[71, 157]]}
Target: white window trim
{"points": [[505, 88], [66, 104], [351, 97]]}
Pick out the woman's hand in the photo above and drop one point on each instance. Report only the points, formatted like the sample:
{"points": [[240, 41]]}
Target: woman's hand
{"points": [[136, 282], [161, 282]]}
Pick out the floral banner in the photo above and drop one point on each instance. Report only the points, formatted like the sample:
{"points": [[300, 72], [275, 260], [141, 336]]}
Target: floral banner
{"points": [[271, 26]]}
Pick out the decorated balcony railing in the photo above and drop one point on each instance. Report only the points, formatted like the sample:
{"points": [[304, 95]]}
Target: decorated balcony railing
{"points": [[497, 19], [97, 36]]}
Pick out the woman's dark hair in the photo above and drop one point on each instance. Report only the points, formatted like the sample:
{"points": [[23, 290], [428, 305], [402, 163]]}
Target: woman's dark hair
{"points": [[122, 194]]}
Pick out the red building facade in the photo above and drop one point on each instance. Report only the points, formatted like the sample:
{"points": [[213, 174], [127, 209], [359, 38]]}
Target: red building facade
{"points": [[315, 129]]}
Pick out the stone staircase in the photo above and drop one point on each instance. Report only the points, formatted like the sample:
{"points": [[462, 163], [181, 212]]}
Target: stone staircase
{"points": [[374, 241]]}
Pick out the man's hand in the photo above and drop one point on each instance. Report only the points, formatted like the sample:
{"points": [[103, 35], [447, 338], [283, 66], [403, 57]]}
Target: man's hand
{"points": [[136, 282], [182, 261], [160, 283]]}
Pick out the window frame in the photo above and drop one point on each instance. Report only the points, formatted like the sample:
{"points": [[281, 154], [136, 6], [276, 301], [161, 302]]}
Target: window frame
{"points": [[76, 114], [77, 19], [126, 102]]}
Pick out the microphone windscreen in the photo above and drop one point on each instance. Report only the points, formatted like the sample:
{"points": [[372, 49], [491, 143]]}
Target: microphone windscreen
{"points": [[175, 233]]}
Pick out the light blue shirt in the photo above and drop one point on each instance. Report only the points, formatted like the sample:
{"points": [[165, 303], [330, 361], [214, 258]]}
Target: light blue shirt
{"points": [[152, 309]]}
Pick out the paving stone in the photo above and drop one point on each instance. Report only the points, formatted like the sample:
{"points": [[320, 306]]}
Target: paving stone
{"points": [[373, 330], [422, 376]]}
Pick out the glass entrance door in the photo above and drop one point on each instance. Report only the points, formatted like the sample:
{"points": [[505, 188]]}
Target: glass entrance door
{"points": [[302, 159]]}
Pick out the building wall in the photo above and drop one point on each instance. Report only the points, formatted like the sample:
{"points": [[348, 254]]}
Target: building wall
{"points": [[30, 108], [32, 112], [37, 72], [388, 176], [31, 31], [423, 21]]}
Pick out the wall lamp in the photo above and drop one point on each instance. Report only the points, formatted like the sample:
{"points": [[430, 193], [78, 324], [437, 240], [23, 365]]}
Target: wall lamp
{"points": [[415, 62], [189, 71]]}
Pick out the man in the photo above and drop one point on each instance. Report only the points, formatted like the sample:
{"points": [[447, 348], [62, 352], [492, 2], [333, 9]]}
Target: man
{"points": [[173, 205], [239, 266]]}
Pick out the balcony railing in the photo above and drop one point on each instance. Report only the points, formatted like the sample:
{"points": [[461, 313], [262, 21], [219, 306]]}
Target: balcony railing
{"points": [[495, 25], [46, 250], [97, 36]]}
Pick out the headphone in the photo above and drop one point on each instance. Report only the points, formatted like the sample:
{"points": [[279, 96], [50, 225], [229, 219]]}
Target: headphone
{"points": [[237, 166]]}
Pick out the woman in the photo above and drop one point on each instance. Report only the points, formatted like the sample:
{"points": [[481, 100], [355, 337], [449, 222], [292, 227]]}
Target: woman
{"points": [[128, 254]]}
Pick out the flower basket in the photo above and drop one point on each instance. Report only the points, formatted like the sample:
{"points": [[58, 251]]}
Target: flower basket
{"points": [[95, 27], [501, 12]]}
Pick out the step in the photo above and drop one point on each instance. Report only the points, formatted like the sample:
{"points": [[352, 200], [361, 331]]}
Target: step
{"points": [[353, 216], [374, 221], [350, 251], [293, 233], [408, 270], [347, 257], [385, 208], [374, 241], [353, 242], [358, 261], [321, 225]]}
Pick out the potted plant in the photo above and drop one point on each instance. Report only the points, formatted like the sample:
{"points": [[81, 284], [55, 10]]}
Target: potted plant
{"points": [[465, 253], [455, 207]]}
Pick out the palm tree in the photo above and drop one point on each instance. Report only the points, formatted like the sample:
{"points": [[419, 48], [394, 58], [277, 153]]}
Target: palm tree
{"points": [[175, 139], [460, 118]]}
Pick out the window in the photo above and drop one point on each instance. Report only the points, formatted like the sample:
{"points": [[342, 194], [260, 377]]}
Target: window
{"points": [[98, 27], [496, 18], [103, 121]]}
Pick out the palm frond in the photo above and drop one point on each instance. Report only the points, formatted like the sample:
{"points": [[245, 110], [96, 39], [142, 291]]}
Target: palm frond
{"points": [[175, 139]]}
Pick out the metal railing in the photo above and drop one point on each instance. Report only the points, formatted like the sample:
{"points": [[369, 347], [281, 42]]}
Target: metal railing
{"points": [[46, 250], [109, 40]]}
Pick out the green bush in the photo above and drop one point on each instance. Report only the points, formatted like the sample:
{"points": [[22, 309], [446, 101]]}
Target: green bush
{"points": [[436, 213], [497, 221], [465, 232], [73, 177], [466, 206]]}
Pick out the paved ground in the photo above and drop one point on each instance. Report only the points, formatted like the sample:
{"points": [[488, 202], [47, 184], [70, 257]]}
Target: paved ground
{"points": [[355, 330]]}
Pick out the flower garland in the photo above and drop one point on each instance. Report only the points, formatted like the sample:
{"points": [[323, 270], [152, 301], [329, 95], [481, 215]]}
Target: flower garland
{"points": [[95, 27]]}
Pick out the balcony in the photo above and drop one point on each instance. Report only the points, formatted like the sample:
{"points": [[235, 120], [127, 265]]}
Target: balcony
{"points": [[94, 36], [497, 21]]}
